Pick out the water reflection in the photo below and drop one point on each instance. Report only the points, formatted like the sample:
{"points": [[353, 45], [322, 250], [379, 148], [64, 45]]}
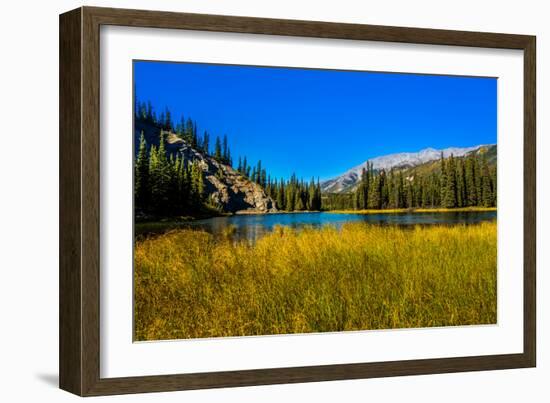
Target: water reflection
{"points": [[252, 227]]}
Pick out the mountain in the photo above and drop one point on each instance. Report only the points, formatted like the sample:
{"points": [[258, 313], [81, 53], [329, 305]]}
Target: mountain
{"points": [[225, 187], [349, 179]]}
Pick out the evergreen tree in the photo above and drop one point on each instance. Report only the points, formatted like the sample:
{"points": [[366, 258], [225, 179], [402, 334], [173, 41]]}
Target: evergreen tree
{"points": [[159, 174], [168, 120], [246, 168], [470, 181], [188, 132], [218, 149], [281, 195], [361, 195], [443, 181], [384, 190], [318, 197], [180, 128], [461, 188], [197, 184], [206, 143], [410, 195], [311, 195], [449, 200], [300, 204], [375, 194], [258, 173], [263, 178], [487, 194], [290, 203], [478, 181], [150, 113], [225, 151], [240, 165], [162, 120], [494, 184], [425, 193], [141, 184], [400, 191], [153, 179]]}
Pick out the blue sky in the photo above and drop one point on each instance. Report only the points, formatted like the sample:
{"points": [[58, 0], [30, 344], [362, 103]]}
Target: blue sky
{"points": [[320, 123]]}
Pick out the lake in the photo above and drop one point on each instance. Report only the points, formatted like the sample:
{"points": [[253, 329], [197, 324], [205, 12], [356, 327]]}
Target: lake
{"points": [[253, 226]]}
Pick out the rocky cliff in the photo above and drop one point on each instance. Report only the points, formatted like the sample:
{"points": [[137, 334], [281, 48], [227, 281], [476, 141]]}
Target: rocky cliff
{"points": [[225, 188]]}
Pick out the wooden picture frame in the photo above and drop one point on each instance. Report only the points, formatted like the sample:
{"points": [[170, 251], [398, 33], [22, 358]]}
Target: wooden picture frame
{"points": [[79, 349]]}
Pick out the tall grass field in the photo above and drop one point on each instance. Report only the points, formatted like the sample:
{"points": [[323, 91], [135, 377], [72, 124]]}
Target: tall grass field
{"points": [[189, 284]]}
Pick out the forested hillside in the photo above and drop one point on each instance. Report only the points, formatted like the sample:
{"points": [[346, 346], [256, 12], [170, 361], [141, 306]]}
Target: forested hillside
{"points": [[453, 182], [179, 171], [177, 175]]}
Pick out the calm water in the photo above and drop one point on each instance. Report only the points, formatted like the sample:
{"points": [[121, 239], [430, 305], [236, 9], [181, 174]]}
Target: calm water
{"points": [[252, 227]]}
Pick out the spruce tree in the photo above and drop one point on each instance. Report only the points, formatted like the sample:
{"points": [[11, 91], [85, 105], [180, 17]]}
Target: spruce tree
{"points": [[162, 120], [449, 200], [300, 205], [218, 149], [263, 178], [281, 195], [494, 184], [258, 173], [206, 143], [400, 191], [246, 169], [161, 185], [240, 166], [150, 113], [168, 120], [188, 132], [443, 181], [318, 196], [141, 188], [311, 204], [478, 181], [470, 181], [361, 194], [409, 194], [225, 150], [486, 195], [153, 176], [374, 194], [180, 128], [290, 203], [461, 188]]}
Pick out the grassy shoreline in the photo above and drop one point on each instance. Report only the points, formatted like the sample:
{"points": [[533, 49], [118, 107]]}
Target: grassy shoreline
{"points": [[189, 285], [417, 210]]}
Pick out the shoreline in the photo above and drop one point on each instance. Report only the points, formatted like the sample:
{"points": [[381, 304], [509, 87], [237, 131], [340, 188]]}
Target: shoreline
{"points": [[417, 210], [188, 219]]}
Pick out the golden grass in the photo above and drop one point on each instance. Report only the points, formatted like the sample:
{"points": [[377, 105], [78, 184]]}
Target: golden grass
{"points": [[189, 285], [416, 210]]}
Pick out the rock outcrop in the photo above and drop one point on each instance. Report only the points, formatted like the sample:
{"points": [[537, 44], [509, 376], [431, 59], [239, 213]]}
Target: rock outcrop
{"points": [[225, 187]]}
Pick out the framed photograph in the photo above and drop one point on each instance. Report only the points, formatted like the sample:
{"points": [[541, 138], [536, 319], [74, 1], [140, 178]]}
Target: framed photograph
{"points": [[248, 201]]}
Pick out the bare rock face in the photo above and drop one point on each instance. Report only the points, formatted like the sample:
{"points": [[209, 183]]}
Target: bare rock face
{"points": [[226, 188]]}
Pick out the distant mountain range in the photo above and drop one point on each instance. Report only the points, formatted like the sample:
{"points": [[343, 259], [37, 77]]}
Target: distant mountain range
{"points": [[349, 179]]}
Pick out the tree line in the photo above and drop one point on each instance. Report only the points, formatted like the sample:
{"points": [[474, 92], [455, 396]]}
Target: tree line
{"points": [[166, 185], [170, 185], [294, 194], [187, 130], [459, 182]]}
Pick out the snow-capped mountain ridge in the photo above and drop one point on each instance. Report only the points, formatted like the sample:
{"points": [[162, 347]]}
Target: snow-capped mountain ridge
{"points": [[407, 159]]}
